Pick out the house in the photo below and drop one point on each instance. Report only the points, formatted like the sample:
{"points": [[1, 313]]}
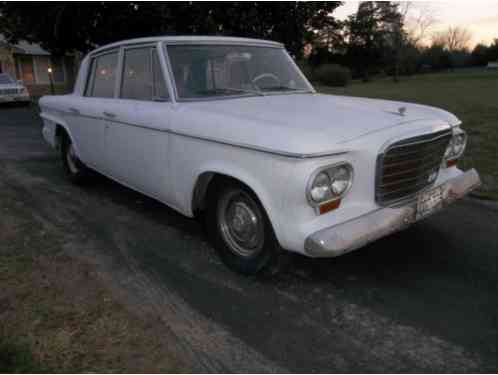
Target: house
{"points": [[29, 63]]}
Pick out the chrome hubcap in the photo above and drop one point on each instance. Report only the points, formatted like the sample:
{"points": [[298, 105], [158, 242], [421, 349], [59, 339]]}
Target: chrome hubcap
{"points": [[241, 223], [71, 159]]}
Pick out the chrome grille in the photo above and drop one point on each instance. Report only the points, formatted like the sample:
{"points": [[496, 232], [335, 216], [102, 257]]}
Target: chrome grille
{"points": [[8, 91], [406, 167]]}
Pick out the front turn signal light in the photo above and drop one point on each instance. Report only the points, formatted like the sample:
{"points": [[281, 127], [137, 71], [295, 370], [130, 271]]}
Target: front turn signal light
{"points": [[329, 206]]}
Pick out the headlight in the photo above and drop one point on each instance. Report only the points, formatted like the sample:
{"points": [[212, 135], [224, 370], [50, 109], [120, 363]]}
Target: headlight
{"points": [[341, 178], [330, 183], [456, 147], [320, 189]]}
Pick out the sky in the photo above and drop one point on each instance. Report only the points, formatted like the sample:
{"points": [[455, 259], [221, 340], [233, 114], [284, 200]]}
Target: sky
{"points": [[480, 17]]}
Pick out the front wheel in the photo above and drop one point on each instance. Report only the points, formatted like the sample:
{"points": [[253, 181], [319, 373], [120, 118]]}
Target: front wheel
{"points": [[240, 229]]}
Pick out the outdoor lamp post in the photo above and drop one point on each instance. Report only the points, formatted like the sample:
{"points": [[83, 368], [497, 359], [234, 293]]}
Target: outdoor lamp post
{"points": [[49, 70]]}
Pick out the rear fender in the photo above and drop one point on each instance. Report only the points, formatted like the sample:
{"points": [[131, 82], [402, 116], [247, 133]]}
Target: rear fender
{"points": [[52, 124]]}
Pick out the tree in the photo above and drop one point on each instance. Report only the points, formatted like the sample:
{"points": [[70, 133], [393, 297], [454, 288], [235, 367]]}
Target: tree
{"points": [[418, 18], [493, 51], [373, 34], [480, 55], [453, 39], [63, 27], [437, 57]]}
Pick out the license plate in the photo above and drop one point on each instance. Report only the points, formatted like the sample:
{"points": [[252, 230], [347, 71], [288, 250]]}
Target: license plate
{"points": [[429, 202]]}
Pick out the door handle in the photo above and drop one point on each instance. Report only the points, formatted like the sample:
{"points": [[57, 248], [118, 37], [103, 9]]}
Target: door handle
{"points": [[109, 114], [74, 111]]}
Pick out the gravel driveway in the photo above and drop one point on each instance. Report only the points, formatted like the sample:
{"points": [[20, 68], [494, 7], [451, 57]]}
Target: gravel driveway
{"points": [[424, 300]]}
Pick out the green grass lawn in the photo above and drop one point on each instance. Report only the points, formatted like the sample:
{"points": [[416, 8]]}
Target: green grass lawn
{"points": [[471, 94]]}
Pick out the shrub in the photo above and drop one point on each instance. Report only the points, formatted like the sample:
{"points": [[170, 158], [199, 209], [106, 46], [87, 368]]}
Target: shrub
{"points": [[332, 75]]}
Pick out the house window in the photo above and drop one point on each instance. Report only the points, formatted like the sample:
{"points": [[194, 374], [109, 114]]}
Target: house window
{"points": [[41, 66], [26, 72], [34, 69]]}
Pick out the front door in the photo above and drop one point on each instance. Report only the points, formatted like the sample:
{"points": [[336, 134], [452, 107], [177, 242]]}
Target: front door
{"points": [[137, 125]]}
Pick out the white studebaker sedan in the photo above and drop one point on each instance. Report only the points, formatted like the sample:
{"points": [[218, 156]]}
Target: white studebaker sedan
{"points": [[12, 91], [230, 130]]}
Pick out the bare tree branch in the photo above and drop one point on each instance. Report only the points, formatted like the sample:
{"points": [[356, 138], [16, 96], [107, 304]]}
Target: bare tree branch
{"points": [[420, 18], [453, 38]]}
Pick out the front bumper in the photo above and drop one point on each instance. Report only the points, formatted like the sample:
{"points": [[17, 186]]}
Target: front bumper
{"points": [[351, 235]]}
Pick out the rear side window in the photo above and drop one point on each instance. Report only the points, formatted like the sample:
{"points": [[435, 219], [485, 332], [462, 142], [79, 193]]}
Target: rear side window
{"points": [[102, 76], [142, 76]]}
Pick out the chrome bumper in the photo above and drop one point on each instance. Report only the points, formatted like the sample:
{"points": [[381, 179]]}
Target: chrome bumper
{"points": [[351, 235]]}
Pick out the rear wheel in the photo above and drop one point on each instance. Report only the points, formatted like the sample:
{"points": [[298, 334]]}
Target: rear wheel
{"points": [[240, 229], [75, 170]]}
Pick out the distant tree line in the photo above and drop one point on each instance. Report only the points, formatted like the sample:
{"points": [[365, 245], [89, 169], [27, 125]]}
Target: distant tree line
{"points": [[380, 38]]}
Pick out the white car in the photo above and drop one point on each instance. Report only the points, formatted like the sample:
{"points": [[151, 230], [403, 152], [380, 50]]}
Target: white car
{"points": [[12, 91], [229, 129]]}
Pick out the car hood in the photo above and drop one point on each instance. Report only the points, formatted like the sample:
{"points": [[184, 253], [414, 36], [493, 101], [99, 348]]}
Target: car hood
{"points": [[304, 123]]}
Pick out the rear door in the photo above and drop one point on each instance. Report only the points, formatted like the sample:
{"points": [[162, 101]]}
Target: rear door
{"points": [[137, 131], [90, 111]]}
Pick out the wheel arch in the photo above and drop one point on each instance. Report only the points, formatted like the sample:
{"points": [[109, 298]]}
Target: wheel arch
{"points": [[60, 129], [208, 176]]}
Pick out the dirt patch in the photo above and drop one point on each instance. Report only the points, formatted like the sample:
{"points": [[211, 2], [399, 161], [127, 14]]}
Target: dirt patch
{"points": [[56, 317]]}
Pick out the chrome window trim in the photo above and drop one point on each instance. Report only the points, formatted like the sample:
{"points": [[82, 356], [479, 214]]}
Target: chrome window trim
{"points": [[119, 78], [167, 72], [256, 43]]}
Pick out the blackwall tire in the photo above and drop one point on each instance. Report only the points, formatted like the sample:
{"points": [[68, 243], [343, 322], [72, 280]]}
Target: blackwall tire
{"points": [[240, 230]]}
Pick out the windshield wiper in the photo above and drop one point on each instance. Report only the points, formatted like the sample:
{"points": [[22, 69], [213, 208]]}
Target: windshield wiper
{"points": [[255, 92], [226, 90], [284, 88]]}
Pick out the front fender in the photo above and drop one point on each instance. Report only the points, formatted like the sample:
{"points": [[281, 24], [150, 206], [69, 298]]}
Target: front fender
{"points": [[270, 201]]}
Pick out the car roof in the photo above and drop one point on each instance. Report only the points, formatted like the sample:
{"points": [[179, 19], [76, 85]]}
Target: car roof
{"points": [[192, 40]]}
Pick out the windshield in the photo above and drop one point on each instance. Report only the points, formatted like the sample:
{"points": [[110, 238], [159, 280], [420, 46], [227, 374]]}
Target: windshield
{"points": [[205, 71], [5, 79]]}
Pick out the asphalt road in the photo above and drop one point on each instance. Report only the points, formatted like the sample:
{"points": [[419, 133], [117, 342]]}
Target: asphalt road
{"points": [[424, 300]]}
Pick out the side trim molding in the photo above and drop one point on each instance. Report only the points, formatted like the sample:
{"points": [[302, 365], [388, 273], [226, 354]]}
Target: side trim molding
{"points": [[286, 154]]}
